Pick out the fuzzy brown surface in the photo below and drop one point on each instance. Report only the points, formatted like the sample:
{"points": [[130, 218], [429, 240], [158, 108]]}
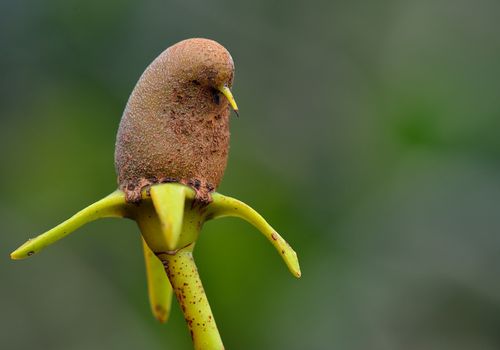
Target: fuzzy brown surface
{"points": [[175, 127]]}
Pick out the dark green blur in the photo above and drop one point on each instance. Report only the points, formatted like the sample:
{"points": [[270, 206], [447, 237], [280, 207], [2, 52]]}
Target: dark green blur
{"points": [[368, 137]]}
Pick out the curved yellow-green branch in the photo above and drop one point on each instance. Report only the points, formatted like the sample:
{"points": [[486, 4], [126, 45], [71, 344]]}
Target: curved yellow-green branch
{"points": [[110, 206], [223, 206]]}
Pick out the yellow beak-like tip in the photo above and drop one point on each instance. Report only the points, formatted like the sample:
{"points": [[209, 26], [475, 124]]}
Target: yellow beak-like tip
{"points": [[227, 92]]}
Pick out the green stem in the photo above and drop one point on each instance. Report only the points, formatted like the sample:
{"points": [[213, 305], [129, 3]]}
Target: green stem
{"points": [[183, 275]]}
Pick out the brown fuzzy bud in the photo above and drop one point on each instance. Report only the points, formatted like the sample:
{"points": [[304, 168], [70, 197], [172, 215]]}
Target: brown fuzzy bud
{"points": [[175, 126]]}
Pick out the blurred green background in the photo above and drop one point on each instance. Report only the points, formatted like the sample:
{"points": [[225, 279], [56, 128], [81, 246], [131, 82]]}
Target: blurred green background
{"points": [[369, 137]]}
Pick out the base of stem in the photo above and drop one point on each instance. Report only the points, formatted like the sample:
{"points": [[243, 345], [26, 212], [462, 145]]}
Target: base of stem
{"points": [[186, 284]]}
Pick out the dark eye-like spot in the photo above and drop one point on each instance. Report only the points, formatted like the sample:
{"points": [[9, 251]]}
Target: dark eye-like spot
{"points": [[195, 82], [216, 96]]}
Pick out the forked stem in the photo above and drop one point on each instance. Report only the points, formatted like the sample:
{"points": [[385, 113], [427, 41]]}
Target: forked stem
{"points": [[170, 222], [155, 223]]}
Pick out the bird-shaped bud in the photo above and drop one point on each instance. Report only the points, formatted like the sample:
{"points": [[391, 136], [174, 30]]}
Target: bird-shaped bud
{"points": [[175, 127]]}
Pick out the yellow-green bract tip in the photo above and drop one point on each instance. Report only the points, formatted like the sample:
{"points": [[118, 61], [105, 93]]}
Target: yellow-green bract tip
{"points": [[22, 252]]}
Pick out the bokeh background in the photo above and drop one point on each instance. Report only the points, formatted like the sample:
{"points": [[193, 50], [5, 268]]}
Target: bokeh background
{"points": [[369, 137]]}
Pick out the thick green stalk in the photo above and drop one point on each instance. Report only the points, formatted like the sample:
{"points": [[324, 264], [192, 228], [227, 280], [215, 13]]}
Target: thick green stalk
{"points": [[183, 275]]}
